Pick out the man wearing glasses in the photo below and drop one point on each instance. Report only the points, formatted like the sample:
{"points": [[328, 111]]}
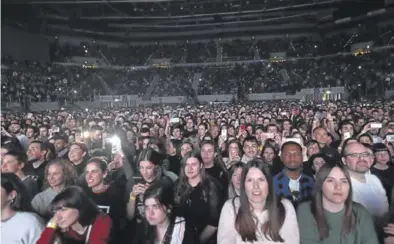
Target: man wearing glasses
{"points": [[367, 189]]}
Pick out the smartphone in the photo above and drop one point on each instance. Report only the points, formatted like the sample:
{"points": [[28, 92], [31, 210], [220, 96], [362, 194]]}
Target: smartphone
{"points": [[376, 125], [283, 113], [390, 138], [174, 120], [242, 127], [346, 135], [269, 135], [138, 180]]}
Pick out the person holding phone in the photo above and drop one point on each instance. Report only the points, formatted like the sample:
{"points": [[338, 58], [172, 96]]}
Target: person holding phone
{"points": [[150, 171], [373, 129]]}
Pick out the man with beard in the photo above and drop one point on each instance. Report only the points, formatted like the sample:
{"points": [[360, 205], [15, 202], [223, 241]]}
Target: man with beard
{"points": [[292, 183], [367, 189], [16, 131], [61, 141], [37, 161]]}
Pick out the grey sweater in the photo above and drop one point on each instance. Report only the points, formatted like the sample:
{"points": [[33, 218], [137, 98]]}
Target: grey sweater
{"points": [[42, 200]]}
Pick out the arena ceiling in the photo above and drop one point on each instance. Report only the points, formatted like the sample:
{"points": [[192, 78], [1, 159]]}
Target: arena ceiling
{"points": [[182, 19]]}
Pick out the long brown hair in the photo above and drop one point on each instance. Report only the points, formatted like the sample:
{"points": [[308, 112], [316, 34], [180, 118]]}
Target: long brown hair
{"points": [[245, 221], [183, 189], [317, 208]]}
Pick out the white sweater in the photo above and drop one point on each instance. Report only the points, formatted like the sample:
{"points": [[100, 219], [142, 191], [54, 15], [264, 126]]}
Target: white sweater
{"points": [[22, 228], [371, 195], [227, 234]]}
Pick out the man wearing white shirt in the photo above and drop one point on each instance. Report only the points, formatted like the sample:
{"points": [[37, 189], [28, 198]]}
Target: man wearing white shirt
{"points": [[367, 189]]}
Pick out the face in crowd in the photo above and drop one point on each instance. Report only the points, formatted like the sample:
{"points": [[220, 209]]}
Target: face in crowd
{"points": [[358, 158], [147, 170], [193, 168], [94, 175], [185, 148], [292, 156], [250, 149], [268, 155], [207, 153], [76, 154], [256, 186], [336, 186]]}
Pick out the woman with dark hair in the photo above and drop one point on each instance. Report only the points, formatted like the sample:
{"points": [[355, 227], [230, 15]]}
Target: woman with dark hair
{"points": [[108, 195], [315, 162], [76, 220], [162, 226], [365, 138], [257, 215], [18, 225], [59, 174], [383, 168], [332, 217], [150, 171], [173, 156], [269, 155], [199, 198], [235, 172], [234, 153]]}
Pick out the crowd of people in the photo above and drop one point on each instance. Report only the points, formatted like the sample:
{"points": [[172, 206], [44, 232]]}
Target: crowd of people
{"points": [[142, 9], [309, 62], [372, 73], [274, 172]]}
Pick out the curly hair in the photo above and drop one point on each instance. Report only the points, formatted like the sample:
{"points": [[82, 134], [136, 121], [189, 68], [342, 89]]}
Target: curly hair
{"points": [[69, 173]]}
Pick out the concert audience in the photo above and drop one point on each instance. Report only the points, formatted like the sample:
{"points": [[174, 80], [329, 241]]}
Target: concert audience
{"points": [[290, 144], [18, 223]]}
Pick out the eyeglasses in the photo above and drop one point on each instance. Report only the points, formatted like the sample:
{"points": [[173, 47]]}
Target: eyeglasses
{"points": [[359, 155]]}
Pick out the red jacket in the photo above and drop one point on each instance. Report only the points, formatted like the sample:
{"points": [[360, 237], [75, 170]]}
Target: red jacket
{"points": [[97, 233]]}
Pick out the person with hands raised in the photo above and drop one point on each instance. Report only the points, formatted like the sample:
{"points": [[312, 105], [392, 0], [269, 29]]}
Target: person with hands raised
{"points": [[373, 130], [234, 153]]}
